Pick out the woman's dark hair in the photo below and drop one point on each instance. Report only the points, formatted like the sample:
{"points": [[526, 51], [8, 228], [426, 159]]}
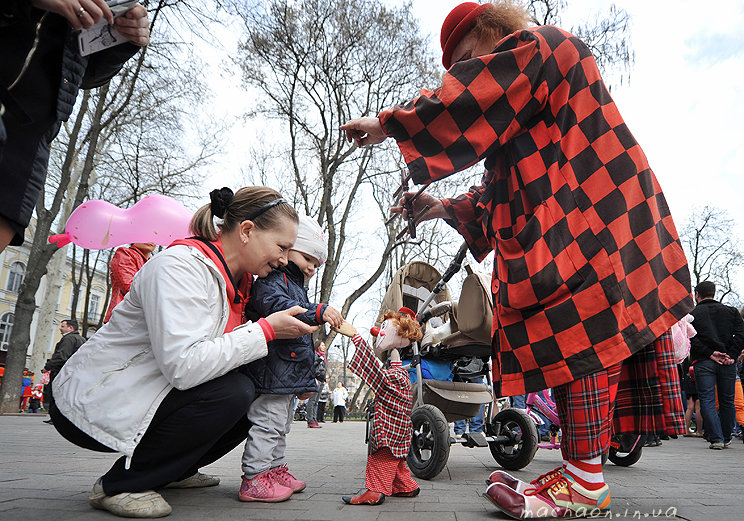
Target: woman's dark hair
{"points": [[254, 203]]}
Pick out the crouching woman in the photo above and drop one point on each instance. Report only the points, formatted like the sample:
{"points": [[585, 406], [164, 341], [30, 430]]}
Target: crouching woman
{"points": [[157, 382]]}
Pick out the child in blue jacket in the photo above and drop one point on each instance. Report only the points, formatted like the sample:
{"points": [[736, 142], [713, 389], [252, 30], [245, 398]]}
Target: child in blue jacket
{"points": [[287, 371]]}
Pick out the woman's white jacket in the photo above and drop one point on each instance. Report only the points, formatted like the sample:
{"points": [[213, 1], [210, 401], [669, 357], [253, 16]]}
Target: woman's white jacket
{"points": [[167, 333]]}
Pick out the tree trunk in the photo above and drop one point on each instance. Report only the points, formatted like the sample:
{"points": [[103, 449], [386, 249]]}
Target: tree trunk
{"points": [[45, 329], [41, 254], [55, 273], [77, 279], [356, 395]]}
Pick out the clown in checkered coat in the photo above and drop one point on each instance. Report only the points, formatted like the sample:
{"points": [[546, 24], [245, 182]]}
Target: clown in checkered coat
{"points": [[589, 273], [390, 440]]}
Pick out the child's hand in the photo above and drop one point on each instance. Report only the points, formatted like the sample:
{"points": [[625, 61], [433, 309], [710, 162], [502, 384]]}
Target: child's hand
{"points": [[333, 317]]}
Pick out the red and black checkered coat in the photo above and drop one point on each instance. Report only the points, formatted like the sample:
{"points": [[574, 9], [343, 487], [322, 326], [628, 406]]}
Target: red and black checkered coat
{"points": [[588, 266], [393, 399]]}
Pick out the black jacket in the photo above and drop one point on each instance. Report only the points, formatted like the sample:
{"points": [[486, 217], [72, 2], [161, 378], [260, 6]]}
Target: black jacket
{"points": [[40, 60], [719, 328], [64, 349], [289, 367]]}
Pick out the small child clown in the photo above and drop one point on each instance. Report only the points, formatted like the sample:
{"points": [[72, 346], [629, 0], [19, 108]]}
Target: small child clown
{"points": [[390, 440]]}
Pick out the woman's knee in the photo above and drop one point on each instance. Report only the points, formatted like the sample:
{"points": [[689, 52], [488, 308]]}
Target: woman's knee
{"points": [[240, 391]]}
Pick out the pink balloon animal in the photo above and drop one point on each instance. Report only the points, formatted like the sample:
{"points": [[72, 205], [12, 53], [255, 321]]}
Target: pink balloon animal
{"points": [[97, 224]]}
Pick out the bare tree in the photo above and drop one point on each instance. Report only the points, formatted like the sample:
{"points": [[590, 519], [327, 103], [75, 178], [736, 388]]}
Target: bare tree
{"points": [[318, 63], [713, 253], [607, 34]]}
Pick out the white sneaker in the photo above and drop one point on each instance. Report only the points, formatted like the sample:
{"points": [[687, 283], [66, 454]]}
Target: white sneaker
{"points": [[147, 504], [198, 480]]}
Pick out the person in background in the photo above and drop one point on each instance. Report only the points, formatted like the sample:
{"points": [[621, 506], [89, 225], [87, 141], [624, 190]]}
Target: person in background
{"points": [[27, 382], [719, 341], [46, 388], [323, 395], [37, 395], [693, 400], [124, 264], [67, 346], [319, 367], [338, 398]]}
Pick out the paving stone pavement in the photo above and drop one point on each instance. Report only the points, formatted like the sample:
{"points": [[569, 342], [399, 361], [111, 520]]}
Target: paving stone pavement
{"points": [[42, 476]]}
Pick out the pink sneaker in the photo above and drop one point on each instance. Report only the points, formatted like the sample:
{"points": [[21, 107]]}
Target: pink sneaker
{"points": [[263, 488], [282, 476]]}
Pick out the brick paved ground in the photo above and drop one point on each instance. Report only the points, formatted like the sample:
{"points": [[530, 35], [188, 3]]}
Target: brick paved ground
{"points": [[43, 477]]}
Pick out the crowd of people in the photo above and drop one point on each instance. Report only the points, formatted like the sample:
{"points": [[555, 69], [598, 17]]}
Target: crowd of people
{"points": [[213, 336]]}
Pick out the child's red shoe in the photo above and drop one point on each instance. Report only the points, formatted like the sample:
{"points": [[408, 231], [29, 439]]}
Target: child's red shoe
{"points": [[263, 488], [368, 498]]}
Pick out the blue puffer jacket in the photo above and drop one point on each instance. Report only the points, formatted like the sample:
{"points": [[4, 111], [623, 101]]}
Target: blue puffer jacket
{"points": [[289, 366]]}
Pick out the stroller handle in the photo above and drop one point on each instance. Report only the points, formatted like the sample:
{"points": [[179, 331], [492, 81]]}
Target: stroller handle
{"points": [[456, 263], [453, 268]]}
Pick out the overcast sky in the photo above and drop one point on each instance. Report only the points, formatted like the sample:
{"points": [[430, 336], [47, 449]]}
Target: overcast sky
{"points": [[683, 102]]}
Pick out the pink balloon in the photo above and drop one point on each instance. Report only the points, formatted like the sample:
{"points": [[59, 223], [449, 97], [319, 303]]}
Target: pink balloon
{"points": [[97, 225]]}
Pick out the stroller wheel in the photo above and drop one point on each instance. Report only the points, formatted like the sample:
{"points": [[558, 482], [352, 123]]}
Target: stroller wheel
{"points": [[519, 439], [430, 445]]}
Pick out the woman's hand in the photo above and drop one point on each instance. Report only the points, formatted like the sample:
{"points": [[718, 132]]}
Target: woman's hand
{"points": [[81, 14], [134, 25], [364, 131], [436, 208], [285, 325]]}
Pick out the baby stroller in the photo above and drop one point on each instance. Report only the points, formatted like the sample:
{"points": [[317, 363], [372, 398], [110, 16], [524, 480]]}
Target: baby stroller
{"points": [[300, 412], [458, 333]]}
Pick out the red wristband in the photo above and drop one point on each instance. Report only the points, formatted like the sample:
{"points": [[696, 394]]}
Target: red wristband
{"points": [[268, 331], [318, 314]]}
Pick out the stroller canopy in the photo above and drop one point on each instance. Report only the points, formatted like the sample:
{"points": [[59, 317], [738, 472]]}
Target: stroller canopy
{"points": [[411, 285]]}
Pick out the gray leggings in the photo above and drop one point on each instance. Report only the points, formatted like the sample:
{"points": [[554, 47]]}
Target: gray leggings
{"points": [[271, 418]]}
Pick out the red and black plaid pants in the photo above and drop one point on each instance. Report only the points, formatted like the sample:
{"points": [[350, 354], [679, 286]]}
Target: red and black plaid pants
{"points": [[640, 395]]}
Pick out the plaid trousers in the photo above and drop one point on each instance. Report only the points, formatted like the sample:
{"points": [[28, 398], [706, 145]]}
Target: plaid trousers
{"points": [[640, 396]]}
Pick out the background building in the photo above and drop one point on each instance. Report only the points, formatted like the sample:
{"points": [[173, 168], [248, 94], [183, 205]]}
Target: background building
{"points": [[13, 262]]}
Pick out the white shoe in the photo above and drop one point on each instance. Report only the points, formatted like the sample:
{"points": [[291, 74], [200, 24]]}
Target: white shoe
{"points": [[198, 480], [147, 504]]}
